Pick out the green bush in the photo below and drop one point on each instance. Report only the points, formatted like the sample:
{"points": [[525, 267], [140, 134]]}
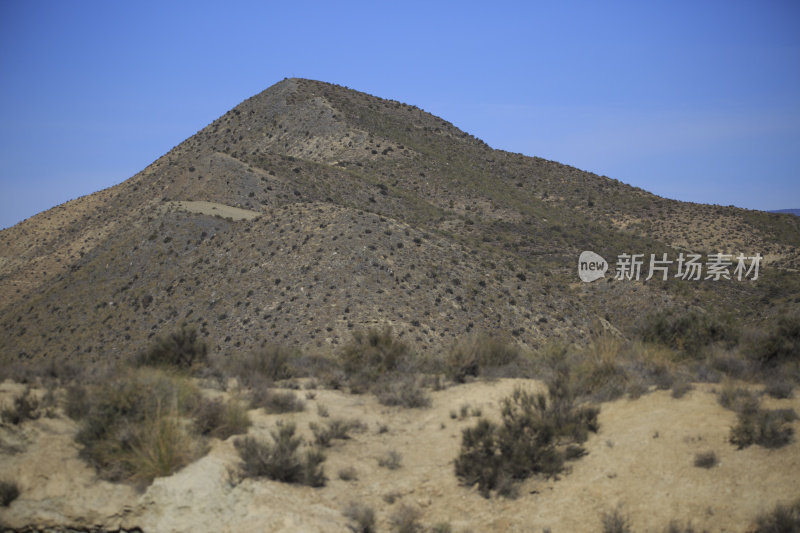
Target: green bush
{"points": [[181, 349], [780, 344], [280, 460], [536, 436], [689, 332]]}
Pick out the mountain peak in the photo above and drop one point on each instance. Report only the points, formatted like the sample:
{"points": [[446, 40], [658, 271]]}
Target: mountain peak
{"points": [[311, 210]]}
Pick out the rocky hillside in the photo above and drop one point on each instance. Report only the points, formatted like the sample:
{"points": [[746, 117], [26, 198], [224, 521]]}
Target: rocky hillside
{"points": [[311, 210]]}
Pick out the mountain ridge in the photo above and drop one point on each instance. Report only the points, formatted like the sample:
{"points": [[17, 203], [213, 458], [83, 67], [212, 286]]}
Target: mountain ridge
{"points": [[371, 212]]}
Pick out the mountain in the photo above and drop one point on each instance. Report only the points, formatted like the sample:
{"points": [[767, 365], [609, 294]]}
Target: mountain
{"points": [[312, 210], [789, 211]]}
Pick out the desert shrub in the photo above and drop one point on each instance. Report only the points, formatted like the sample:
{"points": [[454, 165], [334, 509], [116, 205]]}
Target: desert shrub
{"points": [[405, 519], [373, 353], [391, 460], [181, 349], [756, 425], [362, 517], [276, 402], [313, 474], [442, 527], [270, 363], [472, 356], [215, 418], [675, 527], [9, 491], [616, 522], [686, 331], [600, 372], [338, 428], [160, 446], [76, 404], [764, 427], [680, 388], [23, 407], [537, 435], [403, 390], [779, 387], [280, 460], [780, 344], [706, 460], [737, 398], [348, 474], [782, 519], [133, 427]]}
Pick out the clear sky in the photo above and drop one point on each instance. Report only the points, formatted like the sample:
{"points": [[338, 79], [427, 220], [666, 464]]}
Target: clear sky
{"points": [[698, 100]]}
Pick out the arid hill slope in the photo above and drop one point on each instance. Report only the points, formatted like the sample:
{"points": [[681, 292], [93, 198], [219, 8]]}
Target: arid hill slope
{"points": [[351, 211]]}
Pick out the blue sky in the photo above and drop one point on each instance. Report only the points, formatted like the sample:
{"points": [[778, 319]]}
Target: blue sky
{"points": [[698, 101]]}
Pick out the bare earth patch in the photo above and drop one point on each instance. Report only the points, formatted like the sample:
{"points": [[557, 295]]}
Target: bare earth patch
{"points": [[214, 209]]}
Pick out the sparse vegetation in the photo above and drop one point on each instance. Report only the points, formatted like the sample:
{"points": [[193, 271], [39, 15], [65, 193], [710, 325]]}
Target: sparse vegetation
{"points": [[391, 460], [338, 428], [432, 232], [280, 460], [276, 402]]}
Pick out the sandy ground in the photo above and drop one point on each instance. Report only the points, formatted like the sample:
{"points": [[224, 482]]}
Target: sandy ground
{"points": [[640, 461], [215, 209]]}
